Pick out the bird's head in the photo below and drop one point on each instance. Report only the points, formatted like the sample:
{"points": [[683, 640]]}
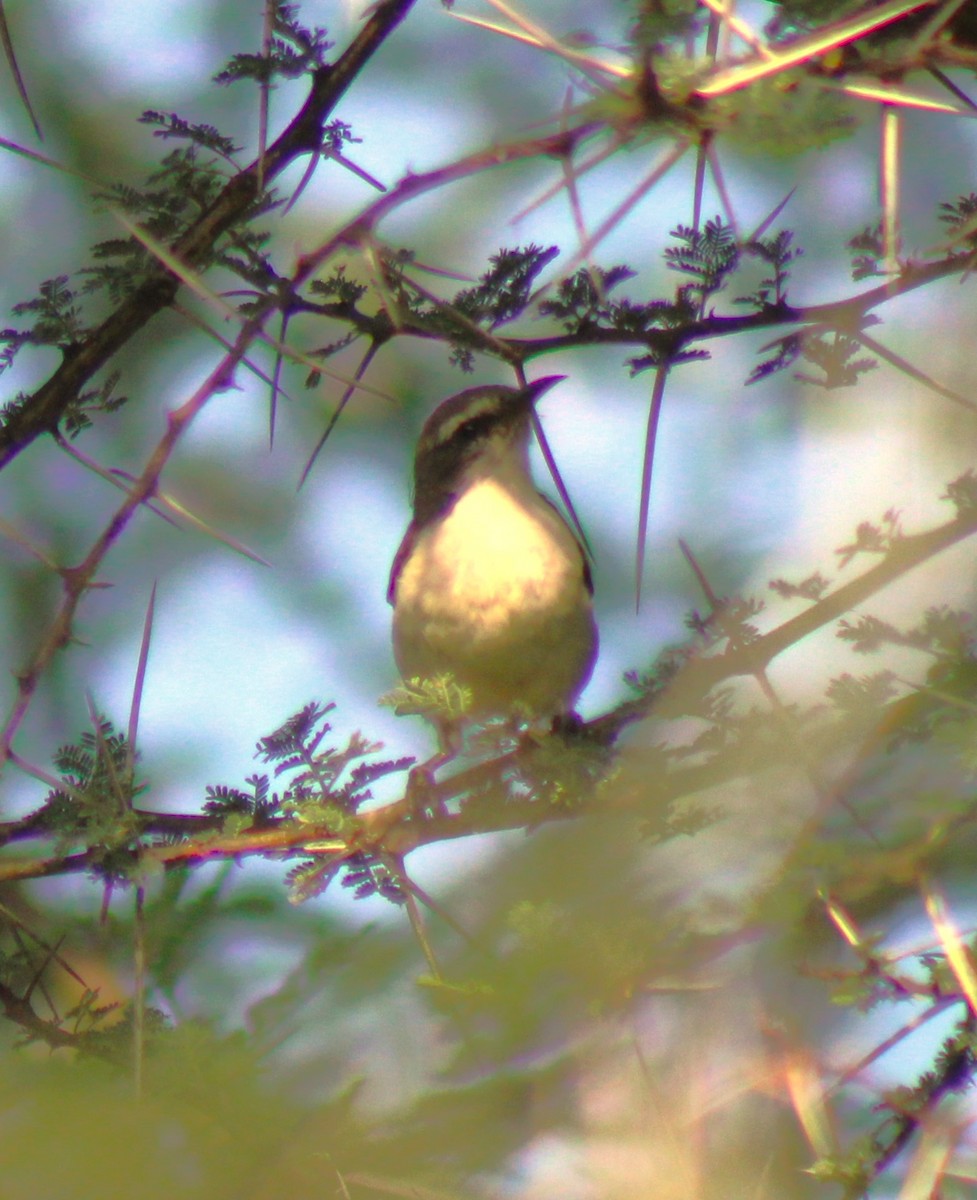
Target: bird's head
{"points": [[482, 431]]}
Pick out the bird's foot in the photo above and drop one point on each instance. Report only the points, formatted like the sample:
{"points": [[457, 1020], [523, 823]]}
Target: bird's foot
{"points": [[421, 794], [568, 724]]}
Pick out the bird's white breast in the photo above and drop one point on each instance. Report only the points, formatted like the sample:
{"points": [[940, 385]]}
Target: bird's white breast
{"points": [[494, 592], [489, 556]]}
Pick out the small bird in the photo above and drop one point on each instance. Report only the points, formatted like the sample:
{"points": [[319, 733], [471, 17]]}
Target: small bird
{"points": [[490, 585]]}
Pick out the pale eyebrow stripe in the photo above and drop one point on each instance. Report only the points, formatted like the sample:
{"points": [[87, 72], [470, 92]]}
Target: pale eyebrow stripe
{"points": [[447, 431]]}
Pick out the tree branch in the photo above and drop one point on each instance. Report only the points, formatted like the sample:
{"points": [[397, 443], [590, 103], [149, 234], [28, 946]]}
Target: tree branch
{"points": [[42, 411]]}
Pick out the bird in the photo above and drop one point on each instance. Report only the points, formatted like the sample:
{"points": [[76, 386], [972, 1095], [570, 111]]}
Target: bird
{"points": [[490, 585]]}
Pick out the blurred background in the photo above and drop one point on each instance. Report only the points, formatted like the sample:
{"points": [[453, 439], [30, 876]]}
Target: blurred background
{"points": [[611, 1093]]}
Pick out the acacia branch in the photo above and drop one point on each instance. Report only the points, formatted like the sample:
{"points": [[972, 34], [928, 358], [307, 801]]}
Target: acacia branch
{"points": [[907, 552], [19, 1010], [397, 829], [846, 315], [41, 412], [557, 145]]}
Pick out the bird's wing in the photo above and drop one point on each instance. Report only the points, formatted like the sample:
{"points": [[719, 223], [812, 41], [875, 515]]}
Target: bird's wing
{"points": [[404, 551], [588, 579]]}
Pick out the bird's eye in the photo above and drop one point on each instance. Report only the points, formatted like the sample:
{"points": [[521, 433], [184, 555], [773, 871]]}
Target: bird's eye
{"points": [[465, 430], [470, 430], [466, 433]]}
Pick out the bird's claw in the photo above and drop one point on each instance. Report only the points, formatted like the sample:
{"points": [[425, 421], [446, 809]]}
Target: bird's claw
{"points": [[421, 794]]}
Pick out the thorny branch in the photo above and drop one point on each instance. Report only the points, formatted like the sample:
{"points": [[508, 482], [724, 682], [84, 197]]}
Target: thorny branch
{"points": [[45, 408], [395, 828]]}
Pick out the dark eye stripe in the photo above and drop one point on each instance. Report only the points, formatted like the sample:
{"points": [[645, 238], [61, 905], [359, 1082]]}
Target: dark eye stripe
{"points": [[474, 427]]}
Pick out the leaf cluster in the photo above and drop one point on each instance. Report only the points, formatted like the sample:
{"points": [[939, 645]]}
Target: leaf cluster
{"points": [[944, 633], [316, 793], [501, 295], [873, 539], [294, 50], [438, 698], [730, 620], [835, 357], [503, 291], [962, 493], [113, 1042], [812, 588], [787, 114], [56, 318], [867, 251], [960, 218], [207, 137], [884, 47], [904, 1110], [708, 256], [363, 873], [95, 804], [325, 790], [184, 187]]}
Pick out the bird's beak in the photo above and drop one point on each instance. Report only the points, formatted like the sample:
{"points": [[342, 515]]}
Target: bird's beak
{"points": [[537, 387]]}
